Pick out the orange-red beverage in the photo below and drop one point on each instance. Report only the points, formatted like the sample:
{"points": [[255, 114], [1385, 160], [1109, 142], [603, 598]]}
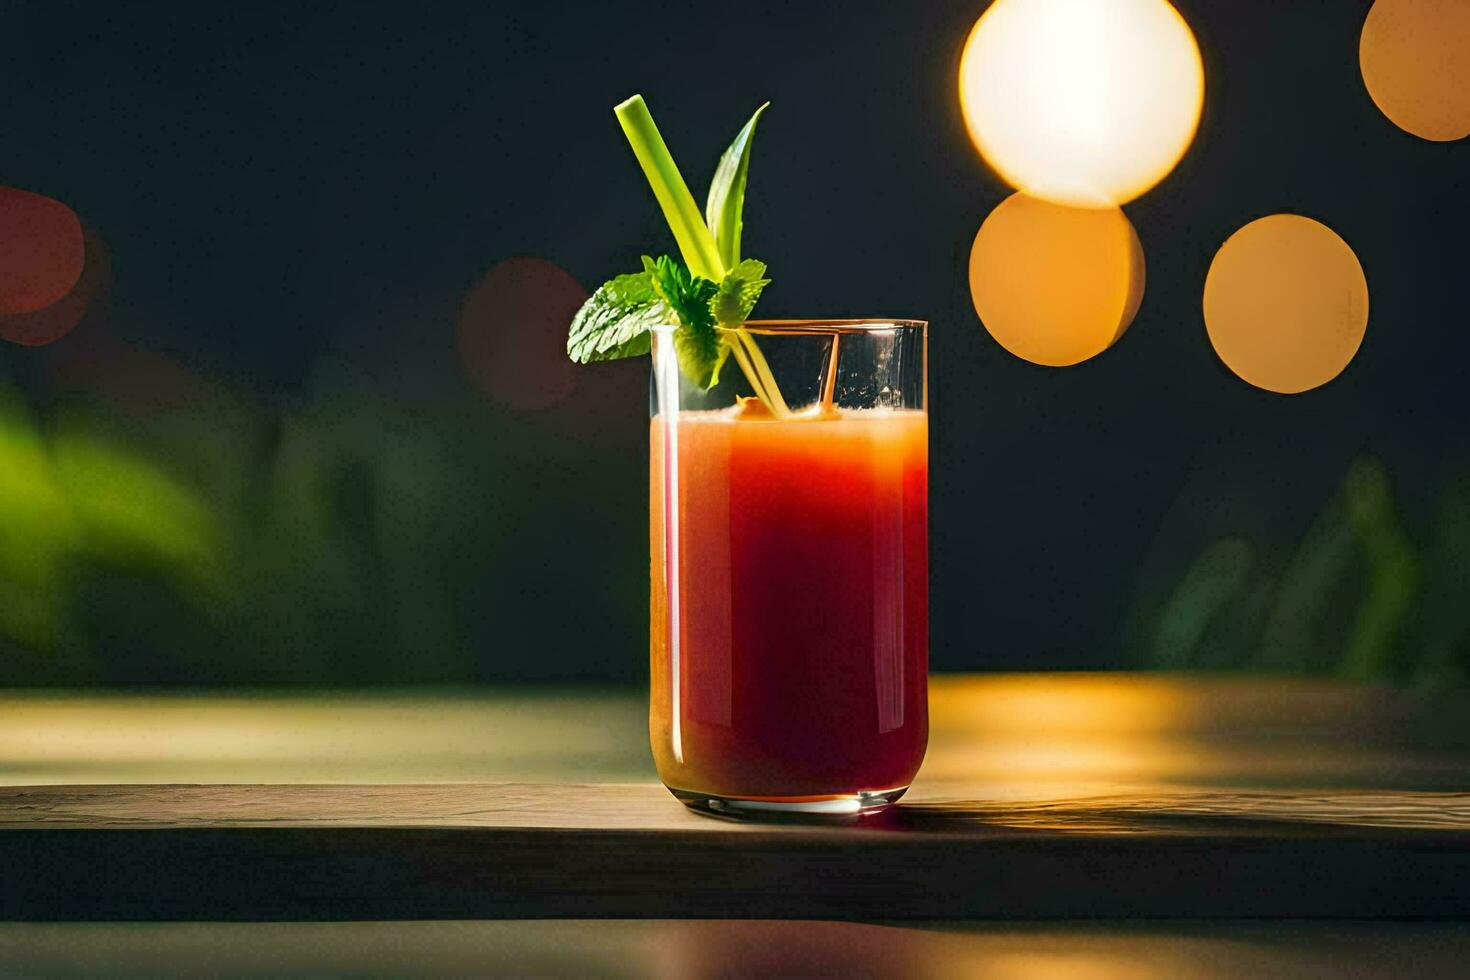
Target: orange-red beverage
{"points": [[790, 605]]}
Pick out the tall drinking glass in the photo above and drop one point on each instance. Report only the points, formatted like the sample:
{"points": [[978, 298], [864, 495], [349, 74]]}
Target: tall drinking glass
{"points": [[790, 617]]}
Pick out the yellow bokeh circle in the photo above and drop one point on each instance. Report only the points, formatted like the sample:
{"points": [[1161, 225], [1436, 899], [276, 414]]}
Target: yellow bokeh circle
{"points": [[1415, 57], [1286, 303], [1084, 102], [1054, 284]]}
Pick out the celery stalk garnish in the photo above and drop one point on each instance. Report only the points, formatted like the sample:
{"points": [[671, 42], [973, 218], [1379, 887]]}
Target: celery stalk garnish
{"points": [[696, 243], [758, 372], [709, 296]]}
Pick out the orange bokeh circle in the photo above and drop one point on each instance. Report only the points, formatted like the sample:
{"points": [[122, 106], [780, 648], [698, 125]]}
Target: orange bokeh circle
{"points": [[1415, 58], [1054, 284], [1286, 303]]}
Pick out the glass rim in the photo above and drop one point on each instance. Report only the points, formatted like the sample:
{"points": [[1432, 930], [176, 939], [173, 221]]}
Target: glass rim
{"points": [[825, 326]]}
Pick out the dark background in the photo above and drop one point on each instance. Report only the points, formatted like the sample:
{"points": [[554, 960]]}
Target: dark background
{"points": [[296, 202]]}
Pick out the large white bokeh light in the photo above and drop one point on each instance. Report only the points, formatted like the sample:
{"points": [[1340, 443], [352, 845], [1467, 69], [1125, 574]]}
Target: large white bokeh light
{"points": [[1083, 102]]}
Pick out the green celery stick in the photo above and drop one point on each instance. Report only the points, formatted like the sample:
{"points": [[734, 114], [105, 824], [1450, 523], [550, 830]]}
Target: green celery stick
{"points": [[696, 243]]}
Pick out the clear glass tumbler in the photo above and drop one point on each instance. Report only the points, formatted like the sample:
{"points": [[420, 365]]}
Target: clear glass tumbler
{"points": [[790, 619]]}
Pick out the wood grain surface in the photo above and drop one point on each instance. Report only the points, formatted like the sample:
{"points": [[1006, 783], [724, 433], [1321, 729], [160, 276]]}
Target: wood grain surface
{"points": [[1043, 798], [707, 950], [522, 850]]}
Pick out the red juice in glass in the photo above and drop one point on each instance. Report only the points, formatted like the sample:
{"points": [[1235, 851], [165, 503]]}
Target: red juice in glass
{"points": [[789, 642]]}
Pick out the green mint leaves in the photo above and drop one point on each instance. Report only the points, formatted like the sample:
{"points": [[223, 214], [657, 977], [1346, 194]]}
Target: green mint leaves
{"points": [[615, 320], [736, 295], [700, 350], [708, 296]]}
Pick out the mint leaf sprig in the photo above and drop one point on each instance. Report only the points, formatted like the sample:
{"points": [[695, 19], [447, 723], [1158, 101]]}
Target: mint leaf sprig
{"points": [[709, 296], [700, 351], [615, 320]]}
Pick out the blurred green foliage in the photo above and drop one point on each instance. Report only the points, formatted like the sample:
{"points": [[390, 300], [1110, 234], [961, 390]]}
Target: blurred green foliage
{"points": [[340, 539], [1358, 596], [345, 538], [39, 532]]}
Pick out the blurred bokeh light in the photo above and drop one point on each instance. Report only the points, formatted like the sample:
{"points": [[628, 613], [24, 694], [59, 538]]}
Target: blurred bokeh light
{"points": [[1415, 56], [1286, 303], [512, 333], [41, 251], [1054, 284], [1086, 102], [54, 321], [129, 378]]}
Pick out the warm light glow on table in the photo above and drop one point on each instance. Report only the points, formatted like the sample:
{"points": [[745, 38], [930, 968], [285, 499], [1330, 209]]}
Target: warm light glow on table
{"points": [[1085, 102]]}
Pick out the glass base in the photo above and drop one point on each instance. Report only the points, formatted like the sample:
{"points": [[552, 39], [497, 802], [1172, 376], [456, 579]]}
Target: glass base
{"points": [[843, 805]]}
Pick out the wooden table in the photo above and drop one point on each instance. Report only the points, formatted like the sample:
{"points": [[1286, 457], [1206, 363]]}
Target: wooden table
{"points": [[684, 949], [1044, 797]]}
